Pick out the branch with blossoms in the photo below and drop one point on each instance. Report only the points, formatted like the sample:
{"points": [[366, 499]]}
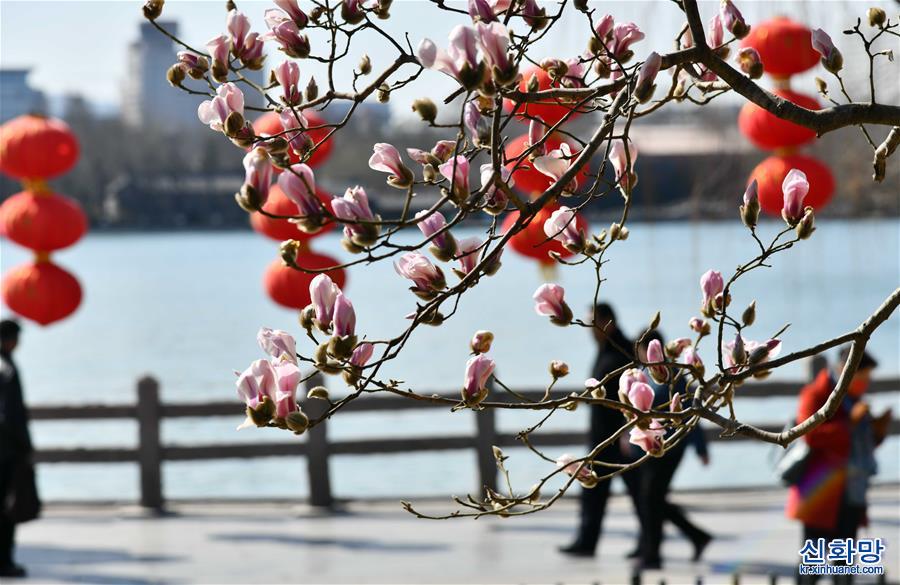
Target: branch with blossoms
{"points": [[486, 55]]}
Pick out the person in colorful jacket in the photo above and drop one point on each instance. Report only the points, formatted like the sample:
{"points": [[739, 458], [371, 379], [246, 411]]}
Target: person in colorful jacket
{"points": [[830, 497]]}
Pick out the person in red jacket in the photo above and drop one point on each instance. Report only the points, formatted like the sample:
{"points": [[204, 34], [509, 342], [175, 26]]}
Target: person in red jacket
{"points": [[830, 497]]}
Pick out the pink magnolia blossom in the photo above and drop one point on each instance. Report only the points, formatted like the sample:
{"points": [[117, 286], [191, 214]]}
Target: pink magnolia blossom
{"points": [[426, 277], [493, 39], [692, 358], [480, 10], [344, 317], [675, 404], [536, 132], [677, 346], [549, 300], [287, 34], [533, 14], [715, 36], [287, 376], [495, 199], [698, 325], [277, 343], [431, 224], [460, 59], [193, 64], [641, 395], [323, 292], [218, 50], [620, 160], [257, 382], [469, 254], [643, 89], [288, 76], [456, 170], [649, 439], [733, 19], [362, 354], [628, 379], [354, 205], [570, 467], [476, 124], [292, 8], [624, 34], [795, 187], [299, 185], [562, 225], [655, 355], [831, 57], [556, 163], [750, 62], [712, 284], [604, 27], [740, 352], [215, 111], [258, 172], [238, 28], [293, 122], [443, 149], [478, 370], [386, 158]]}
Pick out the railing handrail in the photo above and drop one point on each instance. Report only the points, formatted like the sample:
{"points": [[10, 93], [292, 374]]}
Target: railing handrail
{"points": [[151, 452]]}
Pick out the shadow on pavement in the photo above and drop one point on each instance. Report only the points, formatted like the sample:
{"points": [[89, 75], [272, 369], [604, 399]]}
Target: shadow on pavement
{"points": [[345, 543]]}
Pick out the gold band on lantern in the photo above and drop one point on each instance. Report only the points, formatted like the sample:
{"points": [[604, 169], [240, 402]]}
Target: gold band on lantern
{"points": [[785, 151], [37, 186], [41, 256], [781, 82]]}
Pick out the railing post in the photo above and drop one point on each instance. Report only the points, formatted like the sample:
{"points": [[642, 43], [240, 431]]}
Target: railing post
{"points": [[317, 450], [485, 439], [149, 449]]}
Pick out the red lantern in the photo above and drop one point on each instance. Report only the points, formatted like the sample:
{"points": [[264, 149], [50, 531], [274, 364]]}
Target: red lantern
{"points": [[270, 123], [527, 178], [550, 111], [42, 221], [532, 241], [771, 172], [282, 229], [784, 46], [769, 132], [289, 287], [35, 147], [41, 291]]}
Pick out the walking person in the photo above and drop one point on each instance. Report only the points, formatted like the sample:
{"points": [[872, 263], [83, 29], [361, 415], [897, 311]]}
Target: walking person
{"points": [[18, 496], [830, 496], [656, 476], [613, 353]]}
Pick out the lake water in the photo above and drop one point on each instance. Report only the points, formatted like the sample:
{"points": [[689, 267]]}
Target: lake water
{"points": [[185, 307]]}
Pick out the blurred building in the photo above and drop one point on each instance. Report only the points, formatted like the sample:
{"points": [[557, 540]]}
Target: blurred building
{"points": [[147, 98], [17, 97]]}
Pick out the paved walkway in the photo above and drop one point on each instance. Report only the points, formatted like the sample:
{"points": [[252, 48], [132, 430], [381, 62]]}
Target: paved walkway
{"points": [[379, 543]]}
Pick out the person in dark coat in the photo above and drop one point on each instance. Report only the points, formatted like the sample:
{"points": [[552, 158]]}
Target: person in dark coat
{"points": [[614, 352], [15, 441], [656, 476]]}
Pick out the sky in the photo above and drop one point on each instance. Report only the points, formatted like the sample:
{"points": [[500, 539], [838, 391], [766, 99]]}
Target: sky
{"points": [[81, 46]]}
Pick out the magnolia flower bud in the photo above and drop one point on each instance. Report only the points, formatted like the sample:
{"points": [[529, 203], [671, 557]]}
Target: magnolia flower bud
{"points": [[877, 17], [614, 230], [153, 9], [426, 109], [312, 89], [821, 86], [319, 393], [750, 208], [738, 353], [307, 318], [481, 342], [234, 123], [559, 369], [262, 413], [749, 315], [365, 65], [806, 226], [175, 75], [534, 84], [654, 322], [297, 422], [383, 95], [750, 62], [288, 251], [699, 325], [249, 199]]}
